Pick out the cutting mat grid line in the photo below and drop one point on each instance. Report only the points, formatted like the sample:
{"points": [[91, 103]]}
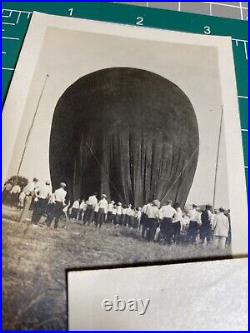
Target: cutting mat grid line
{"points": [[16, 18], [236, 10]]}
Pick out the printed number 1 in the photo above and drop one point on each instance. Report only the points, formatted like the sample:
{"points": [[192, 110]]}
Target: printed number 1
{"points": [[71, 11], [139, 20], [207, 30]]}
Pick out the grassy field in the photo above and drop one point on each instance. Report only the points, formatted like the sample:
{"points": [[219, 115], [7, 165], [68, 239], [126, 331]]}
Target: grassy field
{"points": [[35, 260]]}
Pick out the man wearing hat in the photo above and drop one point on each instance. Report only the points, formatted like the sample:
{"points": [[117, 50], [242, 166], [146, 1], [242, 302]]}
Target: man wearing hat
{"points": [[206, 225], [43, 195], [60, 195], [153, 215], [221, 230], [102, 211]]}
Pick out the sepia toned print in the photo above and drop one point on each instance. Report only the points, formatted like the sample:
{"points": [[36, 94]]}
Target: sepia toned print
{"points": [[120, 157]]}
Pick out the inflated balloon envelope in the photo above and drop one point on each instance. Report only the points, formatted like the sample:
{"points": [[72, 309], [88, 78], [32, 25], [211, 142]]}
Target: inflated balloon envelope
{"points": [[137, 137], [140, 115]]}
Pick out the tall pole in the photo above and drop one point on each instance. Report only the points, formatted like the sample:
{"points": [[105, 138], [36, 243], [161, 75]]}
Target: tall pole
{"points": [[31, 125], [217, 158]]}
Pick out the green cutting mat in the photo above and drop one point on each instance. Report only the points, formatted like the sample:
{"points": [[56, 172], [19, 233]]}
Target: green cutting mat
{"points": [[16, 17]]}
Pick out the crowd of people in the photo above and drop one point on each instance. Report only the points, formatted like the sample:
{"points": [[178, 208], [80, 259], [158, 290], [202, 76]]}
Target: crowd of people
{"points": [[167, 223]]}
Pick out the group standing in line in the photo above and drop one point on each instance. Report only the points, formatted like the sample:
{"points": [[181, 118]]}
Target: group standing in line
{"points": [[167, 224]]}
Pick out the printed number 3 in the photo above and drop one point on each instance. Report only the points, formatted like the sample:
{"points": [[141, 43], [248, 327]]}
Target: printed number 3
{"points": [[139, 20], [207, 30]]}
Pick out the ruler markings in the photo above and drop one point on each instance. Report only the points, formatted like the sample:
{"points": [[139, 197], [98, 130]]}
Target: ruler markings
{"points": [[210, 9]]}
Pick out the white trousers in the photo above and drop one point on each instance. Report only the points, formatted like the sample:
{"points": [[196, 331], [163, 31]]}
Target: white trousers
{"points": [[220, 242]]}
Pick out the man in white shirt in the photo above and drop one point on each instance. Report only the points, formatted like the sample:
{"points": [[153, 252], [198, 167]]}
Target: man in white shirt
{"points": [[32, 189], [32, 186], [129, 216], [50, 210], [114, 215], [221, 230], [118, 217], [60, 195], [193, 228], [176, 225], [102, 211], [30, 195], [14, 195], [153, 215], [144, 218], [82, 210], [43, 195], [167, 214], [91, 204], [137, 218], [110, 216]]}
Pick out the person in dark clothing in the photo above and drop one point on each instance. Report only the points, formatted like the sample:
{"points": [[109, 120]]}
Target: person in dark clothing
{"points": [[176, 224], [89, 215], [60, 195], [206, 225], [50, 211], [193, 228], [153, 216], [167, 213], [102, 211], [43, 195]]}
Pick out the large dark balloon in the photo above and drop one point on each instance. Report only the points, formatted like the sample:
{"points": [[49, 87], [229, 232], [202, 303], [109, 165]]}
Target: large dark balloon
{"points": [[126, 132]]}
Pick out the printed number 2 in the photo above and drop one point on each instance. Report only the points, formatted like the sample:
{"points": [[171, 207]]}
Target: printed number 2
{"points": [[207, 30], [71, 11], [139, 20]]}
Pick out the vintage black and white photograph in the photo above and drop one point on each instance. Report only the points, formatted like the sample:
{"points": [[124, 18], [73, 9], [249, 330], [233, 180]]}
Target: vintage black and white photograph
{"points": [[119, 155]]}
